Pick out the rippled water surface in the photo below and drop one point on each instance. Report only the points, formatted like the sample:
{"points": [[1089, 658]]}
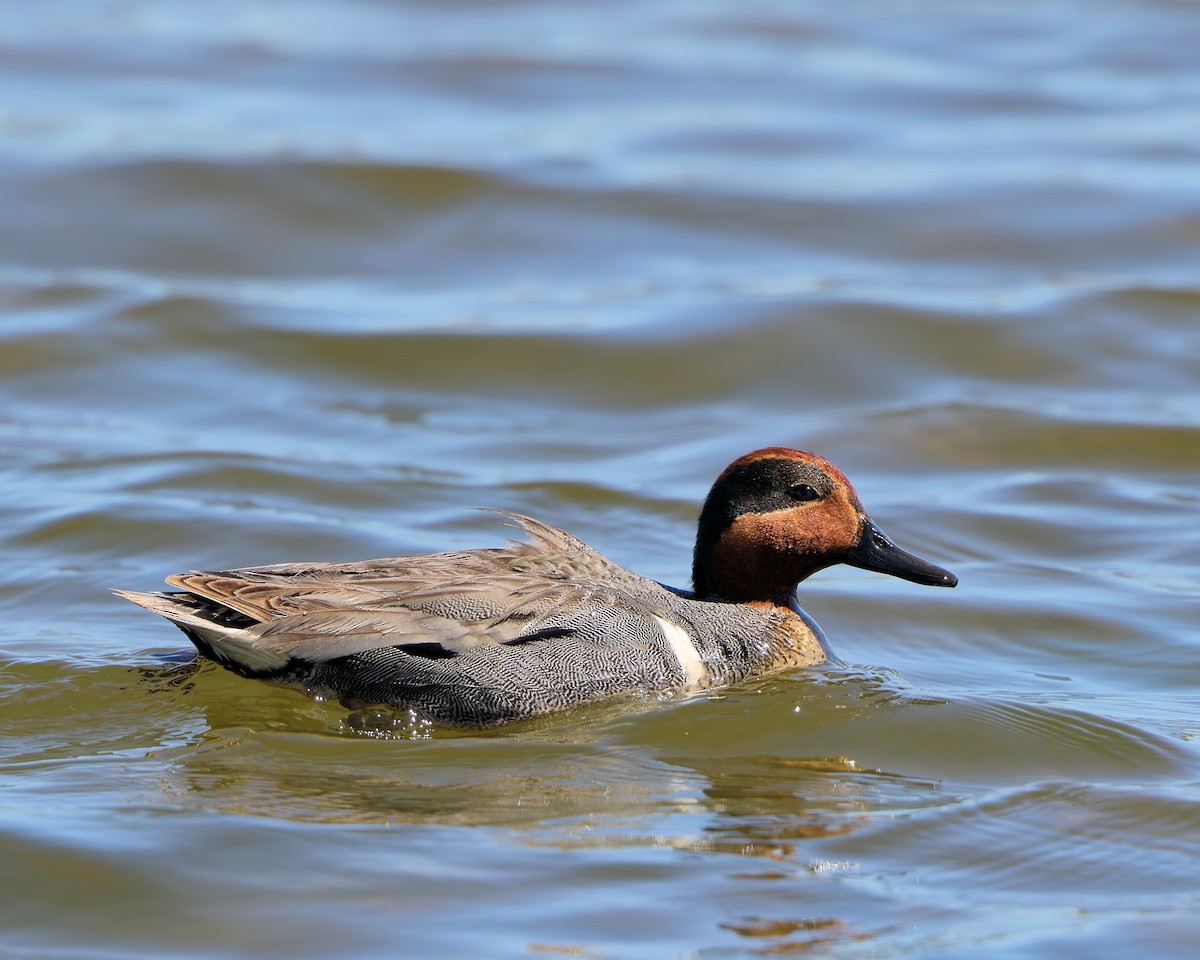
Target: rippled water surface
{"points": [[311, 281]]}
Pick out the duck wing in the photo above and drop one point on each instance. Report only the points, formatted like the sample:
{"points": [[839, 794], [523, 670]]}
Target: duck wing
{"points": [[437, 605]]}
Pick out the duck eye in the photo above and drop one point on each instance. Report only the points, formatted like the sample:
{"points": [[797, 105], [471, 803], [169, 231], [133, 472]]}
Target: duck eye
{"points": [[803, 492]]}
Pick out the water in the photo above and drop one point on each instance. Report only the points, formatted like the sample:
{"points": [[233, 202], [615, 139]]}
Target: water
{"points": [[312, 285]]}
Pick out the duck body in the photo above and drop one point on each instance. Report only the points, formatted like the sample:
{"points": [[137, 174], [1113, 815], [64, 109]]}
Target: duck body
{"points": [[480, 638]]}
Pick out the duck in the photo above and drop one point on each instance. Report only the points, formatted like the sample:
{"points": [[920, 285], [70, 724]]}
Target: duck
{"points": [[481, 638]]}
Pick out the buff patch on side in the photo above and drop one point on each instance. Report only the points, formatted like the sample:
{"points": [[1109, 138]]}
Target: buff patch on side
{"points": [[798, 642], [695, 672]]}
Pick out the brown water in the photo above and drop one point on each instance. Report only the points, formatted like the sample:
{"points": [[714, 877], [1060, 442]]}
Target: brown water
{"points": [[312, 284]]}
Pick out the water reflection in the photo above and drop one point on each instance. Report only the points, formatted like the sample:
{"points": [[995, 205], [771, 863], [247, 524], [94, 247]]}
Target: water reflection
{"points": [[760, 770]]}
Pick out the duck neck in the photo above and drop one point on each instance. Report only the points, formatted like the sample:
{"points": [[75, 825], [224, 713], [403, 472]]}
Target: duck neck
{"points": [[723, 569], [728, 575]]}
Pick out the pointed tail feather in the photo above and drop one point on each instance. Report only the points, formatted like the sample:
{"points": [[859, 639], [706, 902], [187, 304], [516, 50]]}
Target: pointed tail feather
{"points": [[223, 642]]}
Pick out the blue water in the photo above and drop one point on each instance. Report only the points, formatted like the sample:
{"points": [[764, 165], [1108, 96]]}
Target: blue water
{"points": [[312, 284]]}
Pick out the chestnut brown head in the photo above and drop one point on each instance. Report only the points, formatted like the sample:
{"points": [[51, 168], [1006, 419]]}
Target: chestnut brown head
{"points": [[776, 516]]}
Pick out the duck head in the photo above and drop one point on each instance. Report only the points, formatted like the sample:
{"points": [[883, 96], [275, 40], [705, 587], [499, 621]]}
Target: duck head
{"points": [[776, 516]]}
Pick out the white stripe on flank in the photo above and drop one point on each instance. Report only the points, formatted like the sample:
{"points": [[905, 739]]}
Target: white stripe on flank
{"points": [[695, 673]]}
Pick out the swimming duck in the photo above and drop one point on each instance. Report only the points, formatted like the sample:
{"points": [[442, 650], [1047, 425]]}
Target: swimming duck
{"points": [[479, 638]]}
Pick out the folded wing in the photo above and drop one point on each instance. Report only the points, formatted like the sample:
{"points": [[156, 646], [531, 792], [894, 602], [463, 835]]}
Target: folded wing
{"points": [[438, 605]]}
